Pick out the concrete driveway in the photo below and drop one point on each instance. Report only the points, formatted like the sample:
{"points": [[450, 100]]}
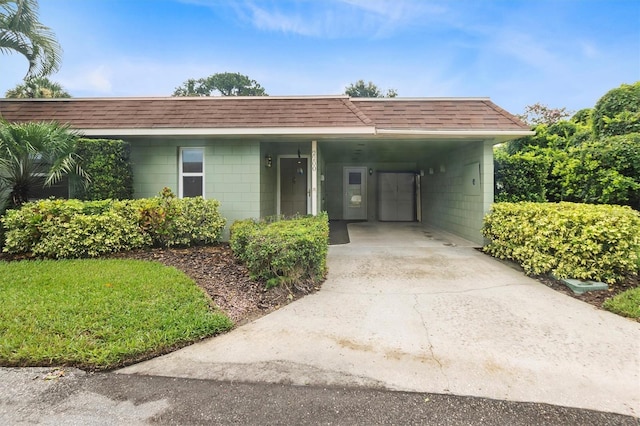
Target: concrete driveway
{"points": [[409, 308]]}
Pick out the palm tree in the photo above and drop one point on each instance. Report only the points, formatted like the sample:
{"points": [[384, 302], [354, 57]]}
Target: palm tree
{"points": [[20, 31], [38, 87], [32, 151]]}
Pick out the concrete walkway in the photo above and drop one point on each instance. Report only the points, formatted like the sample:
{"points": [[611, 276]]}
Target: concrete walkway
{"points": [[407, 308]]}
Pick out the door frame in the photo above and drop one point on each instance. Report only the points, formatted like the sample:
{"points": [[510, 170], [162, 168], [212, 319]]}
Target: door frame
{"points": [[365, 195], [308, 180]]}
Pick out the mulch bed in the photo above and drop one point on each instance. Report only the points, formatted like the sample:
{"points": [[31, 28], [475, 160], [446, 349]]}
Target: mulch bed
{"points": [[595, 298], [226, 281]]}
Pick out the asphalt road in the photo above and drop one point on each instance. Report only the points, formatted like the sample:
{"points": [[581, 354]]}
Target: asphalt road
{"points": [[44, 396]]}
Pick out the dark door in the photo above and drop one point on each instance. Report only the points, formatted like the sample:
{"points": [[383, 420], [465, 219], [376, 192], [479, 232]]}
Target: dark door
{"points": [[293, 186]]}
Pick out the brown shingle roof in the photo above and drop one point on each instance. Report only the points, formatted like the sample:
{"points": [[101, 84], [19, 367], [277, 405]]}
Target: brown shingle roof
{"points": [[264, 112], [438, 114]]}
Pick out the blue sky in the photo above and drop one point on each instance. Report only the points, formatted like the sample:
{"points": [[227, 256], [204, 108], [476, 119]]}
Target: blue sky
{"points": [[562, 53]]}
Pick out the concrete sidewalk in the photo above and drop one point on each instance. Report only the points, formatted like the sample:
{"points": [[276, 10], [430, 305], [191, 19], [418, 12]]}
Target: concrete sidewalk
{"points": [[406, 308]]}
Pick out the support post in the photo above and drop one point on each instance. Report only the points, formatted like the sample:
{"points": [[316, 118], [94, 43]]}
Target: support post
{"points": [[314, 178]]}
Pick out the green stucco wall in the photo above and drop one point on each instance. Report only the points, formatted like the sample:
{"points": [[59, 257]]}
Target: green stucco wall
{"points": [[449, 199], [232, 172]]}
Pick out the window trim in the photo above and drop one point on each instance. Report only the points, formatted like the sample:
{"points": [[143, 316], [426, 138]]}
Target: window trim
{"points": [[182, 174]]}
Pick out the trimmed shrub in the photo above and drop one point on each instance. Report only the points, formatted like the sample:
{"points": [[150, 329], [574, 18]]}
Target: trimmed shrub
{"points": [[241, 232], [197, 222], [170, 221], [73, 228], [107, 162], [88, 236], [283, 252], [595, 242]]}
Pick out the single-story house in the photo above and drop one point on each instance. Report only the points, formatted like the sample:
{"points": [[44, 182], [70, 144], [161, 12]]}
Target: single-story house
{"points": [[391, 159]]}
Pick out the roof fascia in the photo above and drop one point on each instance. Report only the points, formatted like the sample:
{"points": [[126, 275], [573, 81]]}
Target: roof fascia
{"points": [[497, 136], [456, 133], [419, 99], [241, 131]]}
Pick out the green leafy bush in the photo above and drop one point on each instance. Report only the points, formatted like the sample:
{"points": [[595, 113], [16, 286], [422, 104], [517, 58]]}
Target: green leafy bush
{"points": [[618, 111], [170, 221], [604, 171], [596, 242], [241, 232], [520, 177], [283, 252], [107, 162], [73, 228], [88, 236], [197, 222]]}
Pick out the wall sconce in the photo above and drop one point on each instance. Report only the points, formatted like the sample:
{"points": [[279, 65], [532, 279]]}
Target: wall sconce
{"points": [[268, 161], [442, 169], [370, 172]]}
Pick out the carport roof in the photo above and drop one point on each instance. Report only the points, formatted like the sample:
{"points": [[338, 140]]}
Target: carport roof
{"points": [[268, 115]]}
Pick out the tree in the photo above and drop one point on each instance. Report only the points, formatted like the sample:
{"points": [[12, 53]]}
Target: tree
{"points": [[541, 114], [33, 152], [618, 111], [21, 32], [369, 90], [224, 84], [38, 87]]}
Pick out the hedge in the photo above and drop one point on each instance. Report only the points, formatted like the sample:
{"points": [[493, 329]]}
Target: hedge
{"points": [[584, 241], [74, 228], [283, 252], [520, 177], [107, 162]]}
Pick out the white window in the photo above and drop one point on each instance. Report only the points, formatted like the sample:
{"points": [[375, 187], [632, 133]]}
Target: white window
{"points": [[191, 172]]}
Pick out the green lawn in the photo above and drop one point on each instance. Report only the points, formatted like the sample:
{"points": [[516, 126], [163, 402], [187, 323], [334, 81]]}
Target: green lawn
{"points": [[626, 303], [99, 313]]}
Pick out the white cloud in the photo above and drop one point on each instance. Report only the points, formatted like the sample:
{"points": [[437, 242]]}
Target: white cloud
{"points": [[328, 18]]}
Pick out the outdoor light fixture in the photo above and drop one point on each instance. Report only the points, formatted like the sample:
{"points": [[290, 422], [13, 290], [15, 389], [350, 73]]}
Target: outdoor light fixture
{"points": [[268, 161], [370, 172]]}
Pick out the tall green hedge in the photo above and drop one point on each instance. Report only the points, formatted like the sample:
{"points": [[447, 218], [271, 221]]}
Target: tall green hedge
{"points": [[520, 177], [585, 241], [107, 163]]}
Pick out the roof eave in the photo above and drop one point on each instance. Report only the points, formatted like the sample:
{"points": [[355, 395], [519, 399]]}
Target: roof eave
{"points": [[498, 136], [234, 131]]}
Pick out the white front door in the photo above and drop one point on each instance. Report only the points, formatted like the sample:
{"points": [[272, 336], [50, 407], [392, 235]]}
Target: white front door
{"points": [[355, 193]]}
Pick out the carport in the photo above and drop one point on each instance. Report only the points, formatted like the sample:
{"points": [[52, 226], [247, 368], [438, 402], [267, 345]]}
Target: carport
{"points": [[427, 160]]}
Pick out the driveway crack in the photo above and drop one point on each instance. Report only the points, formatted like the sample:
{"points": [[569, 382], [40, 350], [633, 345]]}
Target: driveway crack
{"points": [[416, 306]]}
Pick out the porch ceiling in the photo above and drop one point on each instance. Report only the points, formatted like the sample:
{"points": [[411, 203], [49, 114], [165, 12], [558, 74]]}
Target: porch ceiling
{"points": [[385, 150]]}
